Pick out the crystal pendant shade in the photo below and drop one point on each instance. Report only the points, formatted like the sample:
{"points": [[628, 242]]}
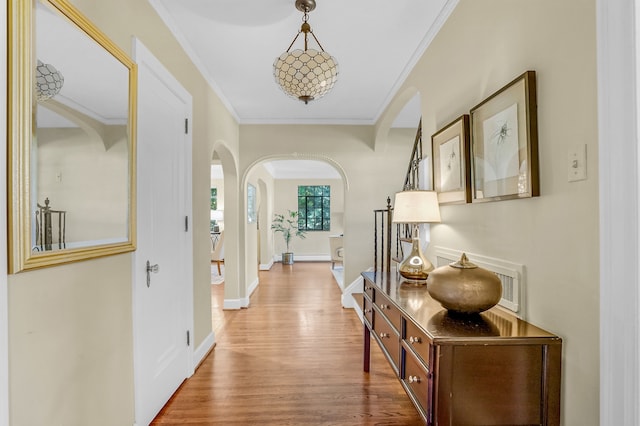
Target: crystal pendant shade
{"points": [[49, 81], [305, 74]]}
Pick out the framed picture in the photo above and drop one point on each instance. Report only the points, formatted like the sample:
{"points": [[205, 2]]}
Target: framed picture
{"points": [[504, 134], [251, 203], [451, 162]]}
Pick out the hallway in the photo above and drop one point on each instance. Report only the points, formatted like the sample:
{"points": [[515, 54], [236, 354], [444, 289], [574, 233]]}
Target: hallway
{"points": [[293, 358]]}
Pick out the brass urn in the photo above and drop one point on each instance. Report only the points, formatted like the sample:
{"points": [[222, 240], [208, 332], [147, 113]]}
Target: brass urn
{"points": [[464, 287]]}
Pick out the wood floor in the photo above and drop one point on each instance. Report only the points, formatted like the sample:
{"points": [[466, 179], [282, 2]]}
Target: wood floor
{"points": [[293, 358]]}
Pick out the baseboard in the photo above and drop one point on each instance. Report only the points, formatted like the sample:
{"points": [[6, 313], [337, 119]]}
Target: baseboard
{"points": [[232, 304], [355, 287], [306, 258], [266, 266], [203, 349], [235, 304], [358, 310], [253, 286]]}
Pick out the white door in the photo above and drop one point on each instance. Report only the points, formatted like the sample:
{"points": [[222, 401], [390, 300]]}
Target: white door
{"points": [[163, 299]]}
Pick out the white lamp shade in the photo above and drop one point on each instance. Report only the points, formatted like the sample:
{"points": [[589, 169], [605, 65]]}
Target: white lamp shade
{"points": [[416, 207], [217, 215]]}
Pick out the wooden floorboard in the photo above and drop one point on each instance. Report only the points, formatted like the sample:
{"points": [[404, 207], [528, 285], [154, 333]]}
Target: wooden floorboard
{"points": [[294, 357]]}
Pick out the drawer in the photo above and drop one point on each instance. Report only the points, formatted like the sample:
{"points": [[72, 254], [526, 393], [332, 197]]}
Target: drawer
{"points": [[369, 291], [367, 309], [388, 310], [417, 380], [417, 340], [389, 338]]}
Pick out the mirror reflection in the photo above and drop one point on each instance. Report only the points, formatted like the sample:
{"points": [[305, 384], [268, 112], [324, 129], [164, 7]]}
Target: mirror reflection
{"points": [[72, 104], [80, 150]]}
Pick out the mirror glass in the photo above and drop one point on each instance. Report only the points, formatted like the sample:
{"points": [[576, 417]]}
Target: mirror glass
{"points": [[75, 175]]}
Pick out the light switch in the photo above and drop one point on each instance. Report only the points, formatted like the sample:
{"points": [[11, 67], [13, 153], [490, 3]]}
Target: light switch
{"points": [[577, 163]]}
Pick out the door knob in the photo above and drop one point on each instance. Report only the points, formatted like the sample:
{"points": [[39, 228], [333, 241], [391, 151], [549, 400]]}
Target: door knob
{"points": [[151, 268]]}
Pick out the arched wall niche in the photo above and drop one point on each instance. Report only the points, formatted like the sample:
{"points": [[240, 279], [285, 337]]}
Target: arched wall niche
{"points": [[233, 291], [266, 209]]}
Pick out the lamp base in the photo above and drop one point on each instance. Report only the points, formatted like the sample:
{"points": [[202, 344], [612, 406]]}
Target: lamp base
{"points": [[415, 267]]}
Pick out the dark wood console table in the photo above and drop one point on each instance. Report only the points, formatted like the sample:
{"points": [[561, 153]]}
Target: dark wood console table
{"points": [[486, 369]]}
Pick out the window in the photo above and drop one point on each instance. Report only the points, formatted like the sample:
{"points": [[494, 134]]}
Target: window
{"points": [[214, 198], [314, 212], [251, 203], [213, 224]]}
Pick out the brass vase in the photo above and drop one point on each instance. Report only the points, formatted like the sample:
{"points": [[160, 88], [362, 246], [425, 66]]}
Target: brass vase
{"points": [[464, 287]]}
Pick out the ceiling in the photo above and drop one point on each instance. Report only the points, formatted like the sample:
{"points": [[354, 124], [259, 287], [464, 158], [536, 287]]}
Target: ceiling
{"points": [[375, 42]]}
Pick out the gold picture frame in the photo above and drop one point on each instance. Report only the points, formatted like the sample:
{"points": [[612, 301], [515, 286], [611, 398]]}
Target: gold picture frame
{"points": [[33, 243], [452, 162], [504, 148]]}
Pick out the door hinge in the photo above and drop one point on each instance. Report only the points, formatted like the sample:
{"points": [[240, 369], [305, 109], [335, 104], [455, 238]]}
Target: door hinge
{"points": [[186, 126], [188, 338], [186, 224]]}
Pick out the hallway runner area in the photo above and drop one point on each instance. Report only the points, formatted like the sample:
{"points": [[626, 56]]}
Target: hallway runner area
{"points": [[294, 357]]}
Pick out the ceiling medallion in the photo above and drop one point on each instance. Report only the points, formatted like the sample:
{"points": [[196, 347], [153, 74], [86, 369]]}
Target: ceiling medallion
{"points": [[305, 74]]}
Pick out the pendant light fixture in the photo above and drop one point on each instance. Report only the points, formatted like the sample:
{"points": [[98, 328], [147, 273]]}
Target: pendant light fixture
{"points": [[305, 74], [49, 81]]}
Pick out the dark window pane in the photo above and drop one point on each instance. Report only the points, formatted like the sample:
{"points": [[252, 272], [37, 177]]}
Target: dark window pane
{"points": [[314, 210]]}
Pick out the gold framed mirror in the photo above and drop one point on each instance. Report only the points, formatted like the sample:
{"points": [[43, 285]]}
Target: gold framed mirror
{"points": [[71, 146]]}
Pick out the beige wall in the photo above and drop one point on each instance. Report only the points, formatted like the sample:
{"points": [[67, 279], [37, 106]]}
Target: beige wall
{"points": [[72, 171], [484, 45], [70, 327], [256, 246], [370, 175], [316, 243]]}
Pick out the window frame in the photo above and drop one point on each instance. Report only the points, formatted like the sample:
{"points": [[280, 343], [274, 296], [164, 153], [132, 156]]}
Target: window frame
{"points": [[321, 198]]}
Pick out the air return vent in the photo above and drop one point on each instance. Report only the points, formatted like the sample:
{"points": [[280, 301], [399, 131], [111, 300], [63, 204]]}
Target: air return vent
{"points": [[511, 275]]}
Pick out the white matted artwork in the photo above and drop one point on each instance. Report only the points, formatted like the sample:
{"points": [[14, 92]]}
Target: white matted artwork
{"points": [[501, 159], [451, 162], [504, 134], [450, 173]]}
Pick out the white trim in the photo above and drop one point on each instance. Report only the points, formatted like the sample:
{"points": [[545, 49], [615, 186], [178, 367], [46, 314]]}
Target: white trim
{"points": [[619, 213], [252, 287], [182, 40], [422, 47], [4, 291], [235, 304], [203, 349], [358, 311], [355, 287], [266, 266], [305, 258], [142, 55]]}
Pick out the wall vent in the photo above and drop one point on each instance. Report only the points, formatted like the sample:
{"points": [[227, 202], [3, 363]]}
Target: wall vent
{"points": [[511, 275]]}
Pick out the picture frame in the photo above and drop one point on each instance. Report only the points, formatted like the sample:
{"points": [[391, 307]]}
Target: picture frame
{"points": [[251, 203], [451, 155], [504, 148]]}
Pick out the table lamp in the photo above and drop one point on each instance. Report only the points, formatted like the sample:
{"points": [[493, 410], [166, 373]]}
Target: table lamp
{"points": [[416, 207]]}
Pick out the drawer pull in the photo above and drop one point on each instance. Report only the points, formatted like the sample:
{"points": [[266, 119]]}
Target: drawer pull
{"points": [[414, 379], [383, 335], [367, 311], [414, 340], [368, 288], [383, 306]]}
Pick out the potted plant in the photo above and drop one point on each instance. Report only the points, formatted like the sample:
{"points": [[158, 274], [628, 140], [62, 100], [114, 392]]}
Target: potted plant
{"points": [[288, 226]]}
